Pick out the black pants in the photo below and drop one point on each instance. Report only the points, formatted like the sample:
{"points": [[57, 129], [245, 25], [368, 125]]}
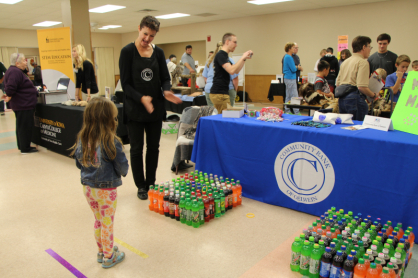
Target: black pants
{"points": [[24, 126], [136, 137], [184, 81]]}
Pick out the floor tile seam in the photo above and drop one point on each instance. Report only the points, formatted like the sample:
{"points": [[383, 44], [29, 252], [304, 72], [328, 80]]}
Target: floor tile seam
{"points": [[7, 130]]}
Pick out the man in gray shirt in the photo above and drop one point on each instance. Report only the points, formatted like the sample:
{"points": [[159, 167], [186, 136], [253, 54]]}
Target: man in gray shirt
{"points": [[383, 58], [188, 62]]}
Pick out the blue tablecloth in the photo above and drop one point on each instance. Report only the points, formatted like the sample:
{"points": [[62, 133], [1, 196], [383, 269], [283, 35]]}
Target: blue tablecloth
{"points": [[375, 171]]}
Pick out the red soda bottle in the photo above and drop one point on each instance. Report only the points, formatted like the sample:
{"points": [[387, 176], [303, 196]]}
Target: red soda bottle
{"points": [[211, 206], [206, 201]]}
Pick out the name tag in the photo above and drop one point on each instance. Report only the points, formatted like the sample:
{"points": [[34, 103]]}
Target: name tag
{"points": [[378, 123]]}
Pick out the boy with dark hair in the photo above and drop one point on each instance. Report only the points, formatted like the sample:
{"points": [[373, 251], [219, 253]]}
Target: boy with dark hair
{"points": [[415, 65], [334, 67], [397, 79], [321, 85], [383, 58]]}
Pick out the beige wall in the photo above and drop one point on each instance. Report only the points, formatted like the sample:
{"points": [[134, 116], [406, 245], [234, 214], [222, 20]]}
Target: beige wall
{"points": [[178, 49], [109, 40], [266, 35], [29, 51]]}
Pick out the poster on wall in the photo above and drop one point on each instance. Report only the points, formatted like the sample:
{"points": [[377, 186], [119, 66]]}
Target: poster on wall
{"points": [[342, 44], [55, 58]]}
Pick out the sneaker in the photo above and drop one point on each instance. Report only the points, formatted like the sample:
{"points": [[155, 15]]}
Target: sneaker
{"points": [[116, 258], [142, 195], [31, 150], [100, 255]]}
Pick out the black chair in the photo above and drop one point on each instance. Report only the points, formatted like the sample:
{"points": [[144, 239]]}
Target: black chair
{"points": [[277, 89]]}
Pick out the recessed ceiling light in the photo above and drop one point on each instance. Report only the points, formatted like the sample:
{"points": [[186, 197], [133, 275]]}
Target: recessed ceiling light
{"points": [[262, 2], [168, 16], [11, 2], [110, 27], [47, 23], [106, 9]]}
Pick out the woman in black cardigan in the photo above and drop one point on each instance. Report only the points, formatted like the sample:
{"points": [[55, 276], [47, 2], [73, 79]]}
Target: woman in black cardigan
{"points": [[145, 82], [84, 74]]}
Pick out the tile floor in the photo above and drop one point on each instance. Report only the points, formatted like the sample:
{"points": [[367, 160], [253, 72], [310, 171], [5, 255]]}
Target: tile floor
{"points": [[43, 208]]}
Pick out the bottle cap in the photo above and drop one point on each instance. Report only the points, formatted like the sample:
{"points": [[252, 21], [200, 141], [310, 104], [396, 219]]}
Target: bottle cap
{"points": [[363, 224], [311, 238], [405, 236], [332, 230], [328, 234], [385, 270], [321, 242], [366, 256], [360, 243], [350, 258], [398, 255], [328, 249], [390, 265], [353, 252], [373, 265], [306, 242], [374, 247], [339, 253], [375, 242], [390, 241], [379, 238], [339, 236], [361, 261], [343, 248], [369, 251], [393, 260], [332, 244], [401, 245], [410, 228], [316, 246], [399, 225], [402, 240], [381, 255]]}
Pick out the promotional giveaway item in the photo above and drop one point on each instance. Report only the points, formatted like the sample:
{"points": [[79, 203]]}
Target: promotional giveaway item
{"points": [[332, 118], [271, 114]]}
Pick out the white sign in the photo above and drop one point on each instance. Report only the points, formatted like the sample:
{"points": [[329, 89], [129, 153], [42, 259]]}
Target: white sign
{"points": [[378, 123], [304, 173], [311, 78], [107, 92]]}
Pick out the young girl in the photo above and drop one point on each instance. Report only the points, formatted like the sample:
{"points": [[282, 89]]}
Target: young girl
{"points": [[98, 154]]}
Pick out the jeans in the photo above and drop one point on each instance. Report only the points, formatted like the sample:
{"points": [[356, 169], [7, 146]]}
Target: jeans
{"points": [[354, 103], [232, 94], [136, 137], [291, 91], [208, 101], [24, 126]]}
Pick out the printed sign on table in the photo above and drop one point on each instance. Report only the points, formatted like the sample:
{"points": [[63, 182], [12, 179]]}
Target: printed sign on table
{"points": [[405, 116], [56, 59]]}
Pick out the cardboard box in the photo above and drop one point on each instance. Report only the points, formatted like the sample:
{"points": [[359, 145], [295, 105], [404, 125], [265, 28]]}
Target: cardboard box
{"points": [[229, 113]]}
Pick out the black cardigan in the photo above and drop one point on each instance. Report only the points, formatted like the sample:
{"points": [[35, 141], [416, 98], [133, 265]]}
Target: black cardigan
{"points": [[86, 79]]}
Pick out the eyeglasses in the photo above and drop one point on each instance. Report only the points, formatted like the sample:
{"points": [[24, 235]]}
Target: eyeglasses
{"points": [[370, 47]]}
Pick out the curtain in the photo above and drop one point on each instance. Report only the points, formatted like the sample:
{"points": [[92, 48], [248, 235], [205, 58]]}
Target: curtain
{"points": [[5, 55], [105, 69]]}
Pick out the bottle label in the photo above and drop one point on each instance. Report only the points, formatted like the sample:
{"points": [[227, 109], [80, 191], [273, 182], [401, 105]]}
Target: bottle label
{"points": [[295, 258], [207, 211], [314, 266], [166, 207], [180, 212], [202, 214], [235, 199], [239, 196], [188, 215], [155, 201], [195, 217], [325, 269], [177, 210], [223, 204], [346, 274], [172, 208], [230, 200], [183, 213], [335, 272], [211, 209], [304, 262], [218, 207]]}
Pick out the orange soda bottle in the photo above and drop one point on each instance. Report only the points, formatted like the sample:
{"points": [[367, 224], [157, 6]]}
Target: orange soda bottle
{"points": [[155, 199], [234, 195], [333, 233], [392, 272], [161, 201], [151, 198], [315, 228], [401, 231], [360, 270], [385, 273], [389, 230], [379, 264], [239, 193], [372, 271], [366, 261]]}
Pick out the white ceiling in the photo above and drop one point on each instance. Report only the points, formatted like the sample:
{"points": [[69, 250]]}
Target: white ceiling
{"points": [[28, 12]]}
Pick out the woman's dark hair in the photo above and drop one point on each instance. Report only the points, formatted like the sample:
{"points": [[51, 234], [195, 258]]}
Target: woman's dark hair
{"points": [[347, 54], [359, 42], [384, 37], [150, 22], [323, 65]]}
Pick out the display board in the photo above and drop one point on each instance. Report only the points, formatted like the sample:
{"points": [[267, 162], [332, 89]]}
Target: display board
{"points": [[241, 75]]}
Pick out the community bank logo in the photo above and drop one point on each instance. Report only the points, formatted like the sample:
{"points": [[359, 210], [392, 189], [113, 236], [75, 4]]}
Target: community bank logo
{"points": [[147, 74], [304, 173]]}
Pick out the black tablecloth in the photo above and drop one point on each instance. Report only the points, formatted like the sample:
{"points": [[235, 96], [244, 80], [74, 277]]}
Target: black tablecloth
{"points": [[57, 126], [178, 108], [277, 89]]}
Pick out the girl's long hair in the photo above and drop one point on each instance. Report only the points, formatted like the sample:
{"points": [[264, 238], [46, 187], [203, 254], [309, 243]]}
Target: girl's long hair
{"points": [[99, 129], [347, 54], [218, 47], [81, 52]]}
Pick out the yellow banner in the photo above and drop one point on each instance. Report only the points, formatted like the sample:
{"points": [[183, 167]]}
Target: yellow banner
{"points": [[55, 57]]}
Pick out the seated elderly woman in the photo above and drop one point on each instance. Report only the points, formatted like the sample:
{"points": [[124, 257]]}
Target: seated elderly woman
{"points": [[22, 96]]}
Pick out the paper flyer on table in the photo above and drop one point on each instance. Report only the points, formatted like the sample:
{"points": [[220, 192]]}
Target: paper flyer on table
{"points": [[375, 84]]}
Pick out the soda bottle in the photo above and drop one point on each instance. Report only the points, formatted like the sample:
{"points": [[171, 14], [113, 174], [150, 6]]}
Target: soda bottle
{"points": [[394, 263], [314, 262], [399, 263], [366, 243], [188, 210], [407, 247], [340, 242], [361, 250], [348, 268], [206, 203], [222, 199], [234, 195], [172, 206], [218, 205], [333, 249], [391, 270], [182, 210], [296, 252], [239, 193], [379, 264], [195, 214], [230, 197], [151, 198], [400, 231], [372, 271], [155, 198], [177, 207], [337, 265], [367, 262], [211, 206], [378, 243], [166, 204], [401, 250], [389, 230], [333, 233], [389, 245], [344, 252], [411, 237], [408, 235], [360, 270], [326, 261], [394, 238], [374, 250], [201, 211], [386, 256], [322, 246], [226, 193], [385, 273], [385, 235], [305, 258], [161, 201], [355, 239]]}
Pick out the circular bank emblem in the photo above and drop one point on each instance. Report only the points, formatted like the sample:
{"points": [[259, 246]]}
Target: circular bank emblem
{"points": [[147, 74], [304, 173]]}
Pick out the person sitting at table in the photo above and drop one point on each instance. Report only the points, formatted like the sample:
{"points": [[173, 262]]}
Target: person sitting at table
{"points": [[22, 96], [289, 72], [84, 74]]}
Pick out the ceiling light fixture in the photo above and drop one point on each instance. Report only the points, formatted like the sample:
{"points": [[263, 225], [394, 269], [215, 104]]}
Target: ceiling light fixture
{"points": [[263, 2], [10, 2], [110, 27], [168, 16], [106, 9], [47, 23]]}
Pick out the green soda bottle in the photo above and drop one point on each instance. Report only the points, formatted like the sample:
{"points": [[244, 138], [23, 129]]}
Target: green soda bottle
{"points": [[296, 251], [361, 250], [217, 205], [222, 197], [390, 247], [312, 241], [378, 243], [195, 214], [305, 258], [339, 243], [322, 246], [182, 210], [201, 211], [315, 262], [188, 210]]}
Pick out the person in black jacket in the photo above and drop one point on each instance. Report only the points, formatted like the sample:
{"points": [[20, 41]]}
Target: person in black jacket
{"points": [[145, 82], [334, 67], [84, 74]]}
